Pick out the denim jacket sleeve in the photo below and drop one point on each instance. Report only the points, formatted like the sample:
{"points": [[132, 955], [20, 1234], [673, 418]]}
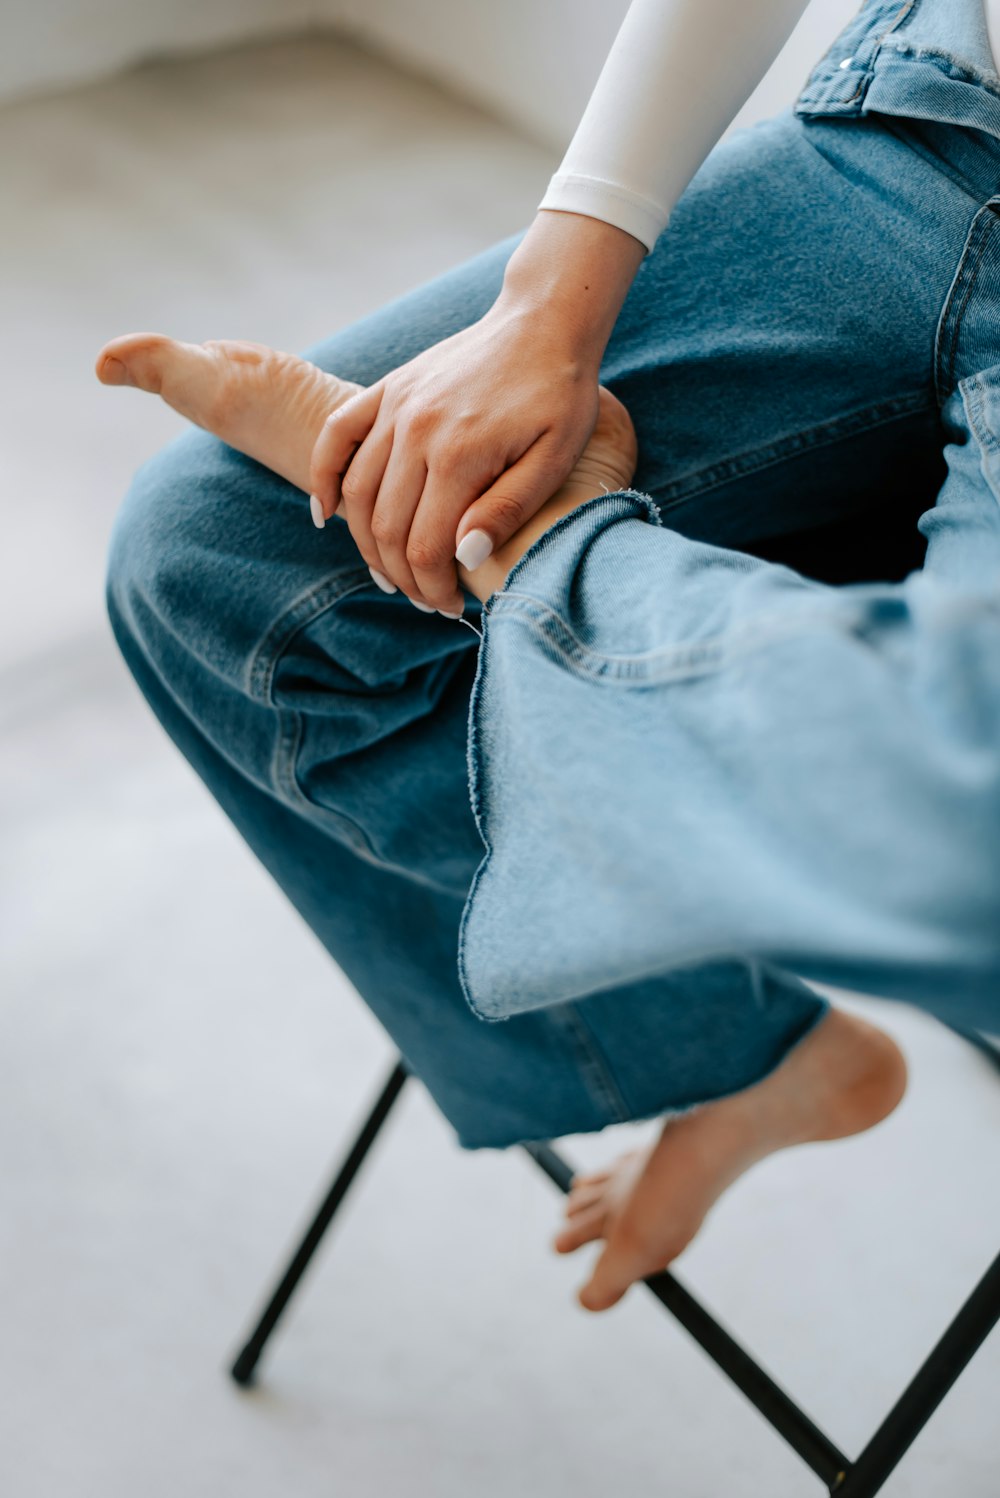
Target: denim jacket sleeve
{"points": [[679, 752]]}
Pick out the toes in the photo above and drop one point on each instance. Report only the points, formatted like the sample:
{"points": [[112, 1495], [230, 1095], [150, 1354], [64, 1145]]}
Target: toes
{"points": [[584, 1228], [596, 1298], [607, 1284], [597, 1178], [583, 1197], [111, 371], [134, 359]]}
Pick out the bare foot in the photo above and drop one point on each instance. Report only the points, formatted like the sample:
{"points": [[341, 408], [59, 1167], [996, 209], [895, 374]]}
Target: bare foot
{"points": [[843, 1078], [266, 404], [272, 406]]}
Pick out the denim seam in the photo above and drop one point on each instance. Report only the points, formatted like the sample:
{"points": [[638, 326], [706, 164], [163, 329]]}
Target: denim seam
{"points": [[477, 798], [756, 460], [815, 92], [957, 300], [288, 741], [594, 1067], [680, 662], [303, 610], [261, 668], [669, 662]]}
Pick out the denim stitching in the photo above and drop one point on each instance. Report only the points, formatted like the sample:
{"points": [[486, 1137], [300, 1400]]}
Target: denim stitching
{"points": [[288, 742], [666, 663], [261, 667], [477, 798], [682, 662], [302, 611], [962, 286], [816, 90], [593, 1064]]}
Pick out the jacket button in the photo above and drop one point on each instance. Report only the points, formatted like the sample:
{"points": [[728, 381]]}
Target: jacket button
{"points": [[847, 62]]}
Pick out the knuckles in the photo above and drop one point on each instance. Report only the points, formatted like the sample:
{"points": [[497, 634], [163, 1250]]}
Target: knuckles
{"points": [[426, 556], [385, 530], [352, 487], [507, 509], [418, 424]]}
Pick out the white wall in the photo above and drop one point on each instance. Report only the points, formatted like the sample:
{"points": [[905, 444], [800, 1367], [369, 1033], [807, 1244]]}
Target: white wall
{"points": [[532, 61], [47, 44], [535, 61]]}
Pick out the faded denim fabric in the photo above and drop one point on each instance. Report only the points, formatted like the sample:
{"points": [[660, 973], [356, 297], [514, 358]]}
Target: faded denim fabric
{"points": [[812, 332]]}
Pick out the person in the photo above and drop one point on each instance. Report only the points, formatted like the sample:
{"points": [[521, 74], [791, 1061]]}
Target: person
{"points": [[722, 730]]}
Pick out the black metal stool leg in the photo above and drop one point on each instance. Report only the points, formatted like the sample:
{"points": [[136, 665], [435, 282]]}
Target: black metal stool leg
{"points": [[924, 1393], [243, 1368], [846, 1479], [778, 1408]]}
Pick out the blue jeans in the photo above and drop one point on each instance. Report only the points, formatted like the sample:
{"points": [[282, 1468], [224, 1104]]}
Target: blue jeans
{"points": [[726, 728]]}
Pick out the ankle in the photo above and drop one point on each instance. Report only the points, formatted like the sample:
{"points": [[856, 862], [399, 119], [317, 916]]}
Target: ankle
{"points": [[852, 1076]]}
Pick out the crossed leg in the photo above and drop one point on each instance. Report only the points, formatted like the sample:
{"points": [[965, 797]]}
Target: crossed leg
{"points": [[841, 1079]]}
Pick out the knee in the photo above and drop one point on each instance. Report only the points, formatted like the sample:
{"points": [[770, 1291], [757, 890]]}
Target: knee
{"points": [[162, 538]]}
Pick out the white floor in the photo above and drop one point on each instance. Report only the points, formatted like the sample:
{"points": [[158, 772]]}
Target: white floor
{"points": [[179, 1060]]}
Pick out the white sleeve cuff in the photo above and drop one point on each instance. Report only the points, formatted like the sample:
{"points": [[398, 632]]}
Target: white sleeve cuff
{"points": [[639, 216]]}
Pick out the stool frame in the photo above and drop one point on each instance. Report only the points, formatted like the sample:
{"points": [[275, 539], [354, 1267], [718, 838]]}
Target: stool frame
{"points": [[860, 1478]]}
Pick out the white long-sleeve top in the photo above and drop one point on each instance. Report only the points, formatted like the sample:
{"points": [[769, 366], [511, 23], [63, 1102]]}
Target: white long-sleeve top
{"points": [[677, 74]]}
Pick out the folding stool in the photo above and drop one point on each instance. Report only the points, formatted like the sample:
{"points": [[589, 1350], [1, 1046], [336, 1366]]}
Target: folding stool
{"points": [[847, 1479]]}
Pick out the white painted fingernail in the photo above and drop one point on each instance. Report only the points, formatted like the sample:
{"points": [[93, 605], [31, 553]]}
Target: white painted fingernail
{"points": [[449, 616], [316, 511], [424, 608], [381, 581], [473, 550]]}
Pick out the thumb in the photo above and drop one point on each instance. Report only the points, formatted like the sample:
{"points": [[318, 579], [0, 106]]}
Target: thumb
{"points": [[515, 496]]}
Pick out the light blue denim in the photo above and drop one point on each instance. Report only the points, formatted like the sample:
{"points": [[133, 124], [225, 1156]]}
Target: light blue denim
{"points": [[726, 728]]}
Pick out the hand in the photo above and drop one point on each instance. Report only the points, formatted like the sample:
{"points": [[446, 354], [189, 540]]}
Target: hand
{"points": [[466, 442], [474, 434]]}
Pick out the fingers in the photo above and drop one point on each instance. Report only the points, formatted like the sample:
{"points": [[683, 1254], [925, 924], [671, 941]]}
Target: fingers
{"points": [[430, 545], [505, 506], [376, 484], [360, 488], [343, 432], [397, 518], [398, 497], [410, 521]]}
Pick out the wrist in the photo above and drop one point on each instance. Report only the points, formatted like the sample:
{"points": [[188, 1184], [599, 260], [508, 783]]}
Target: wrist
{"points": [[570, 274]]}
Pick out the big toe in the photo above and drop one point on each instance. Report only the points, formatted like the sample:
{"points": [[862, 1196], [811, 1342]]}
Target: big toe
{"points": [[142, 360], [607, 1284]]}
